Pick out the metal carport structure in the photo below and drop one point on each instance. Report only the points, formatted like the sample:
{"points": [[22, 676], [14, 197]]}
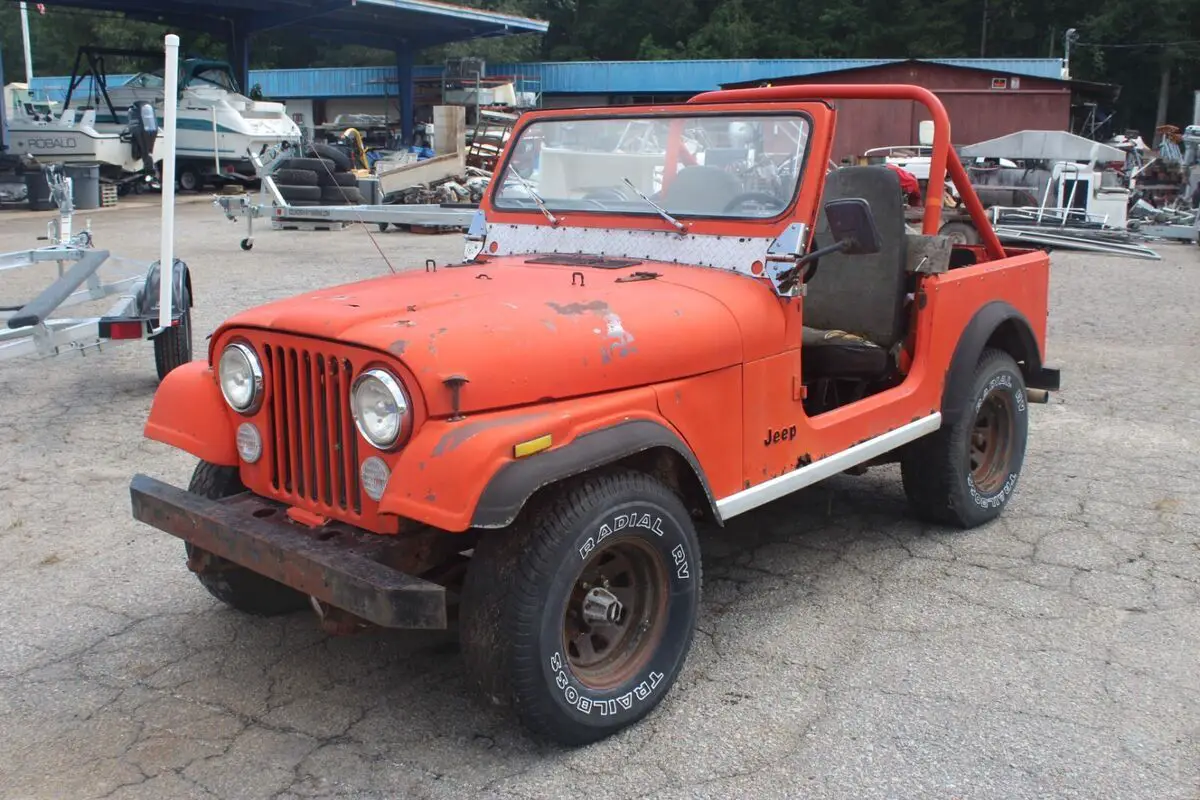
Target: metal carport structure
{"points": [[404, 27]]}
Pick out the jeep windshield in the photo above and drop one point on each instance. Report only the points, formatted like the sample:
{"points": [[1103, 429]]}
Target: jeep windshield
{"points": [[744, 166]]}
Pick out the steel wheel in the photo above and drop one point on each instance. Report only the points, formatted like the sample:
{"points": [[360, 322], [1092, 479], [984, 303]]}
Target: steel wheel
{"points": [[611, 622], [992, 442]]}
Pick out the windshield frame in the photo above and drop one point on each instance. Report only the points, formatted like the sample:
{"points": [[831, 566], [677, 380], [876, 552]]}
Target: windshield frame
{"points": [[681, 111]]}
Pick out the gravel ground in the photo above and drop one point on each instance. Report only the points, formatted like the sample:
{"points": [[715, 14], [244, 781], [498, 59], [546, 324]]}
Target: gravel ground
{"points": [[846, 651]]}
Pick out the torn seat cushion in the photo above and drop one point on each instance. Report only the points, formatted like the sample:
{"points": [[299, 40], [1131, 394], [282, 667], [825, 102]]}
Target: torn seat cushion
{"points": [[837, 354]]}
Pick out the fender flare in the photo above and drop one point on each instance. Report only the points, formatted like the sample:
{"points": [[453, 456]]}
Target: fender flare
{"points": [[1018, 340], [508, 490]]}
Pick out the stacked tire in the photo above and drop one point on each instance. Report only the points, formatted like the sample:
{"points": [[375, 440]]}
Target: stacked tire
{"points": [[321, 176]]}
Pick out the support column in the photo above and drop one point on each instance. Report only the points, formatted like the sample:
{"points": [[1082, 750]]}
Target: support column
{"points": [[406, 90], [4, 123], [237, 46]]}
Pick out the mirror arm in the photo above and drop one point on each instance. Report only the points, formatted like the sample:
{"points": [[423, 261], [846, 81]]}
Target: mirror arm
{"points": [[788, 277], [813, 255]]}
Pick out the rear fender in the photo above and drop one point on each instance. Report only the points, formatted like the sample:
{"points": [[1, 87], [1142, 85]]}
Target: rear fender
{"points": [[996, 324], [464, 474], [181, 280], [189, 413]]}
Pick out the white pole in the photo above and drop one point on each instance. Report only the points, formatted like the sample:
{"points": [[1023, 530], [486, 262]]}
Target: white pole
{"points": [[167, 256], [28, 52]]}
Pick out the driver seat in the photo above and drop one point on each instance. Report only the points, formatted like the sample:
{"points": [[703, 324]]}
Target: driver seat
{"points": [[854, 306], [700, 190]]}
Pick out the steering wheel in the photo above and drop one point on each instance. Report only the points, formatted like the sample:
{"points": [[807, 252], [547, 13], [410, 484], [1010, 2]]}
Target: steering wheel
{"points": [[769, 200]]}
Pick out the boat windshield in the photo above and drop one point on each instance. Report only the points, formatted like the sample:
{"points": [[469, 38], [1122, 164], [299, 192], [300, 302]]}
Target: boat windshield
{"points": [[214, 76], [711, 165], [146, 80], [206, 75]]}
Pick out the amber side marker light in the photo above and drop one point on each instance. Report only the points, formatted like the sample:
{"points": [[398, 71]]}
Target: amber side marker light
{"points": [[532, 446]]}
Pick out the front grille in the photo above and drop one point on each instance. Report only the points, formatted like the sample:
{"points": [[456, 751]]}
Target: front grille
{"points": [[315, 445]]}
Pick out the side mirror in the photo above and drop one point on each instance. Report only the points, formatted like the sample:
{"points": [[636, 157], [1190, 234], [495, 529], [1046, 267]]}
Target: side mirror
{"points": [[852, 226]]}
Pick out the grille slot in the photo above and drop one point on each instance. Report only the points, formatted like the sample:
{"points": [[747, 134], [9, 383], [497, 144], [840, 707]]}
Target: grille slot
{"points": [[315, 443]]}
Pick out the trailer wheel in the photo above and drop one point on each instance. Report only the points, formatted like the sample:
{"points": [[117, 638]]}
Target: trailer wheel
{"points": [[235, 585], [189, 179], [960, 233], [965, 473], [173, 347], [582, 613]]}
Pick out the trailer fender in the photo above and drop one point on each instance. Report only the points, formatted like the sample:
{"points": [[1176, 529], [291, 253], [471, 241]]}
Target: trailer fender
{"points": [[996, 324], [189, 413], [182, 277], [509, 489]]}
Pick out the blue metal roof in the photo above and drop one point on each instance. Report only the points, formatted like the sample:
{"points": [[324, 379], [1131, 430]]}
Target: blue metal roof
{"points": [[390, 24], [585, 77]]}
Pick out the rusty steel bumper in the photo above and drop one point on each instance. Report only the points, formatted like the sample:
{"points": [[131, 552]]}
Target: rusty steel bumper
{"points": [[336, 564]]}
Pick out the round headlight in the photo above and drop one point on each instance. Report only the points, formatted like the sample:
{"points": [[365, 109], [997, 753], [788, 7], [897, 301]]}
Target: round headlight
{"points": [[380, 408], [241, 377]]}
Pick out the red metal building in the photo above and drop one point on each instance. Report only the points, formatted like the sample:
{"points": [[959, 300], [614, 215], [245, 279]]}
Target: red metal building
{"points": [[982, 104]]}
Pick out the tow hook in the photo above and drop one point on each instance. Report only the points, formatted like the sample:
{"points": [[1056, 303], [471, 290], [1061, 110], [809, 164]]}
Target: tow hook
{"points": [[601, 607]]}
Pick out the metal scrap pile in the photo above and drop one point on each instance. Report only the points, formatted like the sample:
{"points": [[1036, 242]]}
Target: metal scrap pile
{"points": [[466, 188]]}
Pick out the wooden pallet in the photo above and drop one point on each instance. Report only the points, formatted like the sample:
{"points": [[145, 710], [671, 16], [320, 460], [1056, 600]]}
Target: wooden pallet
{"points": [[306, 225], [430, 230], [108, 195]]}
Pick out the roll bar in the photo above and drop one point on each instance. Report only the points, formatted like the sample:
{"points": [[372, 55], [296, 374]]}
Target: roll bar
{"points": [[943, 159]]}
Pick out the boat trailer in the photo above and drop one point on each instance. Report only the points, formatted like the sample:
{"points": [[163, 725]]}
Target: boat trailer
{"points": [[147, 306], [271, 204]]}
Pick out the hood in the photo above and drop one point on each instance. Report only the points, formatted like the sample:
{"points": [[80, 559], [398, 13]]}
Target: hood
{"points": [[522, 333]]}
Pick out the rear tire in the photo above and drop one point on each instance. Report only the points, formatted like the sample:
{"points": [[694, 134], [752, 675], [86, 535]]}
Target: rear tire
{"points": [[234, 585], [173, 347], [539, 626], [960, 233], [965, 473]]}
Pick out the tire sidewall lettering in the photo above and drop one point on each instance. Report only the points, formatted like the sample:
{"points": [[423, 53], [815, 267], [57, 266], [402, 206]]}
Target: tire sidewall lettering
{"points": [[653, 524], [1002, 381]]}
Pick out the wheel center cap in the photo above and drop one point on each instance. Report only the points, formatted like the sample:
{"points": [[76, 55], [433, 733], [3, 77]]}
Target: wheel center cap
{"points": [[601, 607]]}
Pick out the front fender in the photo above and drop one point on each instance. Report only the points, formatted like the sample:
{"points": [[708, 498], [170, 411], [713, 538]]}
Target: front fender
{"points": [[449, 466], [189, 413]]}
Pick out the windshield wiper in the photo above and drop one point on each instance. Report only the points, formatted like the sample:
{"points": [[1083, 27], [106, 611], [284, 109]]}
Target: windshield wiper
{"points": [[537, 198], [662, 212]]}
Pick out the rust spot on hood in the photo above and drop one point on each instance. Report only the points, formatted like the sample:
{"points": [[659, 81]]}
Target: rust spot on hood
{"points": [[572, 309], [398, 347]]}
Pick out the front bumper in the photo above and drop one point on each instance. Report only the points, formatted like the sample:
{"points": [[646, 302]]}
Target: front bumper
{"points": [[337, 564]]}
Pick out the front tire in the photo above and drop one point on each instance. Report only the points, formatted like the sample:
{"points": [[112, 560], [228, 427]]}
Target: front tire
{"points": [[235, 585], [581, 615], [965, 474]]}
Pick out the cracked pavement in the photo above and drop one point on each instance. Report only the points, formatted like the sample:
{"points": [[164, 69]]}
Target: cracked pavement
{"points": [[845, 651]]}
